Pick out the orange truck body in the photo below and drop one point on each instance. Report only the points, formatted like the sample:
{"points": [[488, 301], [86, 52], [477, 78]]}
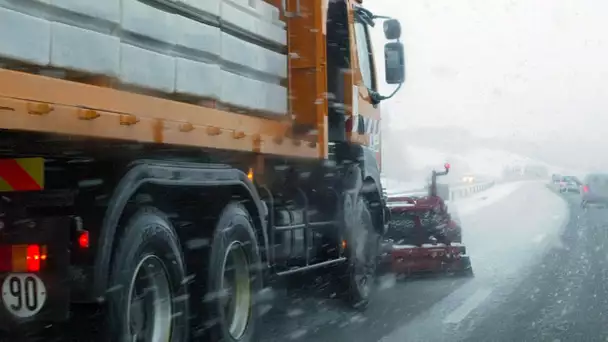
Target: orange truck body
{"points": [[131, 142]]}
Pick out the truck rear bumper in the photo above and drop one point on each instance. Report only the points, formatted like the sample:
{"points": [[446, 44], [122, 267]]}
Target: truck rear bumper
{"points": [[34, 285]]}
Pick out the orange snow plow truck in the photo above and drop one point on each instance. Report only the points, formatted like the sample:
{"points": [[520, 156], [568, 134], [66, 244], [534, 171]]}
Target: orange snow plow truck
{"points": [[164, 161]]}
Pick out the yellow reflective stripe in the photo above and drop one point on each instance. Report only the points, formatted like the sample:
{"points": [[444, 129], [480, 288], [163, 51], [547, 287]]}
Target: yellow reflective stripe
{"points": [[34, 167], [4, 186], [19, 258], [23, 174]]}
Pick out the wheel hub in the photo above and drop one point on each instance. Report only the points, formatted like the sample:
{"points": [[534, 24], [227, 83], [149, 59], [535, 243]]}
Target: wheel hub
{"points": [[365, 258], [236, 300], [150, 306]]}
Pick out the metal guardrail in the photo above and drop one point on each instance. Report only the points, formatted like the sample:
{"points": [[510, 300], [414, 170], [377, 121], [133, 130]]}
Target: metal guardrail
{"points": [[455, 192], [468, 190]]}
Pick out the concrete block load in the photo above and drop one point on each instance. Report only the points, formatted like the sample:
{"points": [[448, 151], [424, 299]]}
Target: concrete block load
{"points": [[230, 51]]}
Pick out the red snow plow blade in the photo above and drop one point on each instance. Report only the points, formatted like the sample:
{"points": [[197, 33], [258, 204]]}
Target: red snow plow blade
{"points": [[423, 236], [429, 258]]}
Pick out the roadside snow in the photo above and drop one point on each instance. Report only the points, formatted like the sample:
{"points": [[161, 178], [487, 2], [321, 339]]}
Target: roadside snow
{"points": [[472, 204]]}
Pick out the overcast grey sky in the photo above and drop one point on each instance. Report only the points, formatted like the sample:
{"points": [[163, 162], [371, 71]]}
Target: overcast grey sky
{"points": [[519, 68]]}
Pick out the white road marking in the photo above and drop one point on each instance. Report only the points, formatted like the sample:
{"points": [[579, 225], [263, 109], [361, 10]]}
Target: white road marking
{"points": [[469, 305]]}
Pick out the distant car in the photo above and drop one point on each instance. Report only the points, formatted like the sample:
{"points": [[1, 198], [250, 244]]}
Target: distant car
{"points": [[569, 184], [468, 179], [555, 180], [595, 190]]}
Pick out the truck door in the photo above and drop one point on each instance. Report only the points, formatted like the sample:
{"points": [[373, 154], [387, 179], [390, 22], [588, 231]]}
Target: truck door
{"points": [[350, 73], [365, 116]]}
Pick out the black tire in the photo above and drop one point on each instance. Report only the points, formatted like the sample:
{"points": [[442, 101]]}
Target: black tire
{"points": [[466, 270], [148, 236], [466, 273], [233, 232], [358, 280]]}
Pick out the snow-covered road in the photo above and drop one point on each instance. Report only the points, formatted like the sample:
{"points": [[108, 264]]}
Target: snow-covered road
{"points": [[507, 230]]}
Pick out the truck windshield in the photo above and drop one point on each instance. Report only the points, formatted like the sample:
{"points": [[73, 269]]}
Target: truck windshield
{"points": [[364, 54]]}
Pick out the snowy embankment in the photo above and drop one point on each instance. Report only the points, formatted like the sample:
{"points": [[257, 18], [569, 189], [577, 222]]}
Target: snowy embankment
{"points": [[486, 165], [414, 161]]}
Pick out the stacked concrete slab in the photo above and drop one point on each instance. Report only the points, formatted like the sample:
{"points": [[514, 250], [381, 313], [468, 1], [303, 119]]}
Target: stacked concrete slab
{"points": [[226, 50]]}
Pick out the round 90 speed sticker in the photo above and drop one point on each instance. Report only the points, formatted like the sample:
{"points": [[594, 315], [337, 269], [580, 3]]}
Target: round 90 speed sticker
{"points": [[23, 294]]}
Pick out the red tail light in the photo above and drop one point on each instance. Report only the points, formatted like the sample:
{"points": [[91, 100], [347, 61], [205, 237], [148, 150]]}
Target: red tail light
{"points": [[33, 258], [22, 258], [585, 188], [83, 239]]}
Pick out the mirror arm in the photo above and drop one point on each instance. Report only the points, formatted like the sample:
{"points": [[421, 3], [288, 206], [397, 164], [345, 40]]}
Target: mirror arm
{"points": [[367, 13], [376, 97], [369, 17], [365, 16], [382, 17]]}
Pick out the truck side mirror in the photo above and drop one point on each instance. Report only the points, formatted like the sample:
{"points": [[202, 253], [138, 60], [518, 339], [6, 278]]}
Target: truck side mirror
{"points": [[394, 61], [392, 29]]}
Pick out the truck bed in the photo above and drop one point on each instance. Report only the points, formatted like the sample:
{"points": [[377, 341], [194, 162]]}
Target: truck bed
{"points": [[47, 105]]}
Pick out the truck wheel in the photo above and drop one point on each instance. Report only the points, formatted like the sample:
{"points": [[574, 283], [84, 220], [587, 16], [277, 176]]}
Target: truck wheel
{"points": [[362, 250], [146, 283], [466, 269], [234, 277]]}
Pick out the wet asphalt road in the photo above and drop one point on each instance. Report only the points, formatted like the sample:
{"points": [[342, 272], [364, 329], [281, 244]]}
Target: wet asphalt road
{"points": [[565, 297], [541, 265]]}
